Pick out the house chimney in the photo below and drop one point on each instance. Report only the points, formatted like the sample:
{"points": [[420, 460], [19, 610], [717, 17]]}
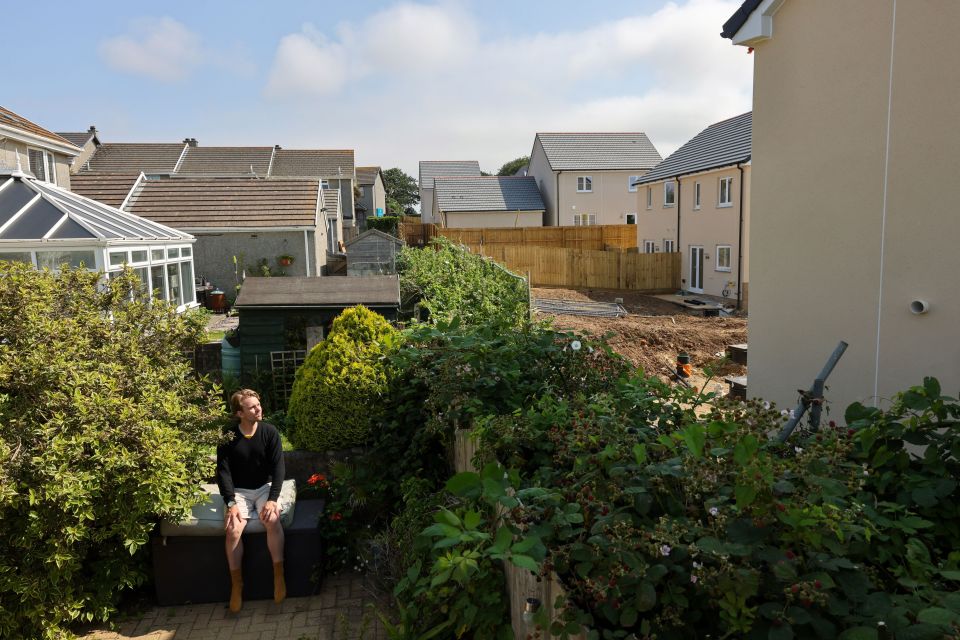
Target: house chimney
{"points": [[92, 129], [277, 147], [190, 141]]}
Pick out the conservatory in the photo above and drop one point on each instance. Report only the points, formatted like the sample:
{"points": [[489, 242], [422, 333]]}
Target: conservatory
{"points": [[47, 226]]}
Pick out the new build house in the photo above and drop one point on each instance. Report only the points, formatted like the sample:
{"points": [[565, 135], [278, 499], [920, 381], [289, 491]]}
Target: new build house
{"points": [[431, 169], [373, 194], [855, 150], [487, 201], [588, 178], [697, 202]]}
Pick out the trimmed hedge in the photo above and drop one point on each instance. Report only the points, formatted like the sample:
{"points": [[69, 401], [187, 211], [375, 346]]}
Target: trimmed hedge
{"points": [[337, 392]]}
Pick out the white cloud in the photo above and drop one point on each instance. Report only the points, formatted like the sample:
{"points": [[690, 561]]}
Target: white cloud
{"points": [[159, 48], [419, 81], [307, 64]]}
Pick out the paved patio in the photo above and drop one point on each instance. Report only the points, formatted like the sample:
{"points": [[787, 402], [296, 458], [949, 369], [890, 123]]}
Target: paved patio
{"points": [[338, 612]]}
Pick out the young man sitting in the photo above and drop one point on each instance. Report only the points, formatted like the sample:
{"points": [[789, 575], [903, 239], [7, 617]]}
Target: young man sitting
{"points": [[250, 476]]}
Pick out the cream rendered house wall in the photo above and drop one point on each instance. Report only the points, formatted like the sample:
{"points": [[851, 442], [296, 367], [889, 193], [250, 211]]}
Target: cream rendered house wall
{"points": [[427, 214], [493, 219], [9, 149], [855, 142], [709, 226], [546, 178], [610, 199]]}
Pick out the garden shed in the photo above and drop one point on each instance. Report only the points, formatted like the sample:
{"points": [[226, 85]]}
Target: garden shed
{"points": [[47, 226], [281, 318], [373, 252]]}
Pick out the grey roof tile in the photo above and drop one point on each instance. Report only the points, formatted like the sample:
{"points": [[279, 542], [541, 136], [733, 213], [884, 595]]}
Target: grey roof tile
{"points": [[109, 188], [313, 163], [430, 169], [722, 144], [194, 203], [226, 161], [488, 193], [598, 151], [135, 157], [78, 139]]}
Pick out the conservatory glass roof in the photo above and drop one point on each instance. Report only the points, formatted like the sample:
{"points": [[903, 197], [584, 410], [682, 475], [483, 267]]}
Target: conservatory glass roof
{"points": [[34, 210]]}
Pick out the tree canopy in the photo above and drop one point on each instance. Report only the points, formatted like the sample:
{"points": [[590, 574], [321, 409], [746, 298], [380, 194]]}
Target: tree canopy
{"points": [[510, 168], [402, 192]]}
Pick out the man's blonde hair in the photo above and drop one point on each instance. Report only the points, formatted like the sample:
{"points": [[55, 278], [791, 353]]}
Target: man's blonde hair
{"points": [[239, 397]]}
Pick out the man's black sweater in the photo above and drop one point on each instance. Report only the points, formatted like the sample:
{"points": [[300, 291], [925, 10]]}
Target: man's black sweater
{"points": [[249, 463]]}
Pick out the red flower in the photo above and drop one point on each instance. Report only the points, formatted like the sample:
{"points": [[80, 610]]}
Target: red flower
{"points": [[317, 477], [336, 516]]}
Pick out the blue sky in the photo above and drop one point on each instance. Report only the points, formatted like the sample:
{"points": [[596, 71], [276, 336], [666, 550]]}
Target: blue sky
{"points": [[398, 82]]}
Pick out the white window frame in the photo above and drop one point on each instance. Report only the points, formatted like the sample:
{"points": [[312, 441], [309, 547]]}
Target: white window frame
{"points": [[324, 184], [183, 255], [728, 181], [630, 216], [718, 265], [672, 191], [49, 165], [696, 196], [649, 197], [632, 188], [668, 245], [649, 246], [584, 184], [584, 219]]}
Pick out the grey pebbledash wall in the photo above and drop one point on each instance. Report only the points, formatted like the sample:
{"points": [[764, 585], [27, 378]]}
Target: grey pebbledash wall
{"points": [[213, 255]]}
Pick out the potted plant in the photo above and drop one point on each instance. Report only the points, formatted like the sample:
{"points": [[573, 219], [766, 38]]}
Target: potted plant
{"points": [[285, 260]]}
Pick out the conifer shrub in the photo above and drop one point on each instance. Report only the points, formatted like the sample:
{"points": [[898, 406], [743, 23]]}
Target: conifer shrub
{"points": [[337, 393], [104, 429]]}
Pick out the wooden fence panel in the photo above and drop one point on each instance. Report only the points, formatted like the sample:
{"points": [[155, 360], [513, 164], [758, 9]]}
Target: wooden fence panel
{"points": [[593, 238]]}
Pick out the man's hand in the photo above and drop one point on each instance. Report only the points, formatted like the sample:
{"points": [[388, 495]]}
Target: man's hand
{"points": [[270, 512], [232, 518]]}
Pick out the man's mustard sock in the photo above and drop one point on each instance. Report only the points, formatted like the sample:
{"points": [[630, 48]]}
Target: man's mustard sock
{"points": [[236, 590], [279, 584]]}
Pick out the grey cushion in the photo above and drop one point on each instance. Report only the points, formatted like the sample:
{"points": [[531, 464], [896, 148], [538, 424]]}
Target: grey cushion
{"points": [[206, 519]]}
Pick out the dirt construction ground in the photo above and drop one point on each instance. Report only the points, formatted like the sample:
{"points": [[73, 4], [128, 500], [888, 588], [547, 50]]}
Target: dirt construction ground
{"points": [[655, 331]]}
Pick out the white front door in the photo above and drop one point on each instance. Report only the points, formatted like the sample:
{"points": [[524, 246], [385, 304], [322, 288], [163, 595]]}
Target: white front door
{"points": [[696, 269]]}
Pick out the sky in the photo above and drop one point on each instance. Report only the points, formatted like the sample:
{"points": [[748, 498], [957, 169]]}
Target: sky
{"points": [[398, 82]]}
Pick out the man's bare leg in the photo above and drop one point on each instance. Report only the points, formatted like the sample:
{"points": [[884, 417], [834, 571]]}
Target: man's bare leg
{"points": [[234, 547], [275, 545]]}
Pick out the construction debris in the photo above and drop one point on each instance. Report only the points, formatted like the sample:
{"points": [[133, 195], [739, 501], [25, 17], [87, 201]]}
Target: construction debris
{"points": [[579, 308]]}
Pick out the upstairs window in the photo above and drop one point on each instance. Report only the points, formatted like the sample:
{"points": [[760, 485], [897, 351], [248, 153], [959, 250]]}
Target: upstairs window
{"points": [[696, 195], [584, 184], [631, 218], [726, 193], [669, 193], [632, 188], [42, 165], [584, 219], [324, 184], [649, 197]]}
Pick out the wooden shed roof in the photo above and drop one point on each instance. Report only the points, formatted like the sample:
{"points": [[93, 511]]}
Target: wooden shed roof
{"points": [[324, 291]]}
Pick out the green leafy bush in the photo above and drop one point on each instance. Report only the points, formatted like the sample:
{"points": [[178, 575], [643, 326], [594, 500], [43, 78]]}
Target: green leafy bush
{"points": [[387, 224], [450, 283], [337, 394], [695, 523], [104, 428]]}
